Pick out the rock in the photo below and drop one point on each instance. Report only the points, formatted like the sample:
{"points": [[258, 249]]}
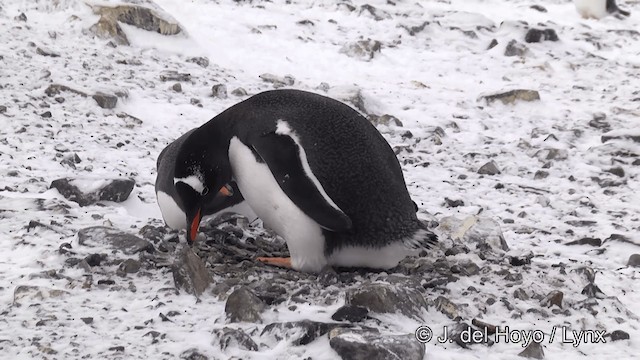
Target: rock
{"points": [[489, 168], [172, 75], [129, 266], [201, 61], [446, 307], [177, 87], [117, 190], [619, 335], [239, 92], [56, 89], [540, 8], [108, 28], [385, 120], [105, 101], [533, 351], [353, 95], [94, 190], [219, 91], [129, 244], [520, 294], [453, 203], [362, 344], [26, 293], [362, 49], [236, 338], [581, 223], [593, 291], [617, 171], [350, 313], [46, 115], [277, 81], [193, 354], [482, 231], [21, 17], [190, 273], [46, 52], [621, 135], [514, 48], [634, 260], [376, 13], [510, 97], [244, 305], [492, 44], [553, 298], [298, 332], [148, 17], [87, 320], [586, 241], [385, 298], [537, 35], [3, 109], [461, 333], [540, 174]]}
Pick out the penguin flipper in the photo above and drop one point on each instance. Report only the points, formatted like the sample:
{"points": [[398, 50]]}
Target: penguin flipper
{"points": [[288, 164]]}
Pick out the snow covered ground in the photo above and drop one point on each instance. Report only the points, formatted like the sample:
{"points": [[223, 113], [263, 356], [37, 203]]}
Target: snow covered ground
{"points": [[558, 182]]}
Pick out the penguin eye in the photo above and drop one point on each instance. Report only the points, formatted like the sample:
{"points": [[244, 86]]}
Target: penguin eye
{"points": [[205, 191]]}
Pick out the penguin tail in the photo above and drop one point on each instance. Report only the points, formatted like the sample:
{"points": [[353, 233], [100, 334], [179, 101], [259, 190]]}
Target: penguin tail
{"points": [[624, 12], [423, 238]]}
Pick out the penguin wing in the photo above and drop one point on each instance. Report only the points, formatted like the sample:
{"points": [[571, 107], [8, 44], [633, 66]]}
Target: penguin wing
{"points": [[288, 164]]}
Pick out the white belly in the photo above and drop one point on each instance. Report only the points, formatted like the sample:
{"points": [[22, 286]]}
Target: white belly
{"points": [[171, 212], [595, 9], [259, 188]]}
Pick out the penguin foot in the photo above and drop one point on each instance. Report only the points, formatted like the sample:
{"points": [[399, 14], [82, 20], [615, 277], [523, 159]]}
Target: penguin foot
{"points": [[276, 261]]}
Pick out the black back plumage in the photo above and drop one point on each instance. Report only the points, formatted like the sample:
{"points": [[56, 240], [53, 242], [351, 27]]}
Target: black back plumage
{"points": [[351, 159]]}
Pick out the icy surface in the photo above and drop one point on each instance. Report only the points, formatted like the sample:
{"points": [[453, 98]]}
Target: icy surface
{"points": [[433, 65]]}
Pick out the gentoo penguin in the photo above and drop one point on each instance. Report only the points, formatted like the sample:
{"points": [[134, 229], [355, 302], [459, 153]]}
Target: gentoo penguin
{"points": [[597, 9], [171, 206], [315, 171]]}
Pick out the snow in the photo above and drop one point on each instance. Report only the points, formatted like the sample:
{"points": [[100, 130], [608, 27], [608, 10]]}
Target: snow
{"points": [[433, 78]]}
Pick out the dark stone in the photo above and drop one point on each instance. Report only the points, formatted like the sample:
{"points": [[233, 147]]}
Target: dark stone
{"points": [[553, 298], [362, 49], [453, 203], [129, 266], [87, 320], [586, 241], [277, 81], [55, 89], [384, 298], [21, 17], [385, 119], [492, 44], [201, 61], [489, 168], [118, 190], [520, 260], [538, 35], [3, 109], [540, 8], [617, 171], [171, 75], [540, 174], [446, 307], [514, 48], [350, 313], [236, 338], [363, 344], [377, 14], [298, 332], [105, 101], [95, 259], [127, 243], [457, 330], [510, 97], [533, 351], [244, 305], [634, 138], [520, 294], [46, 114], [177, 87], [106, 282], [593, 291], [619, 335], [634, 260], [581, 223], [193, 354], [46, 52], [219, 91], [190, 273], [117, 348]]}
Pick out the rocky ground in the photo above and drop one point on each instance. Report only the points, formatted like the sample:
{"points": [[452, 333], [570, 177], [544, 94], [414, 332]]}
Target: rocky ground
{"points": [[515, 123]]}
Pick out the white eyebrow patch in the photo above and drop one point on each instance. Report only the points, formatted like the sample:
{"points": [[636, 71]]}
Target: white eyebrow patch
{"points": [[193, 181]]}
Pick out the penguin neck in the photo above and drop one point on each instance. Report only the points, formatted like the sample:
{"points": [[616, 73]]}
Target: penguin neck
{"points": [[213, 139]]}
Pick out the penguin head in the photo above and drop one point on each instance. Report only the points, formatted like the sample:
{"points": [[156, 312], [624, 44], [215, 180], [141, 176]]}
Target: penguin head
{"points": [[200, 178]]}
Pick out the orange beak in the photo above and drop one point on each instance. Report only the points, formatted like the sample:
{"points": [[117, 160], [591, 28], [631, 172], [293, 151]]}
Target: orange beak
{"points": [[193, 230], [226, 191]]}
